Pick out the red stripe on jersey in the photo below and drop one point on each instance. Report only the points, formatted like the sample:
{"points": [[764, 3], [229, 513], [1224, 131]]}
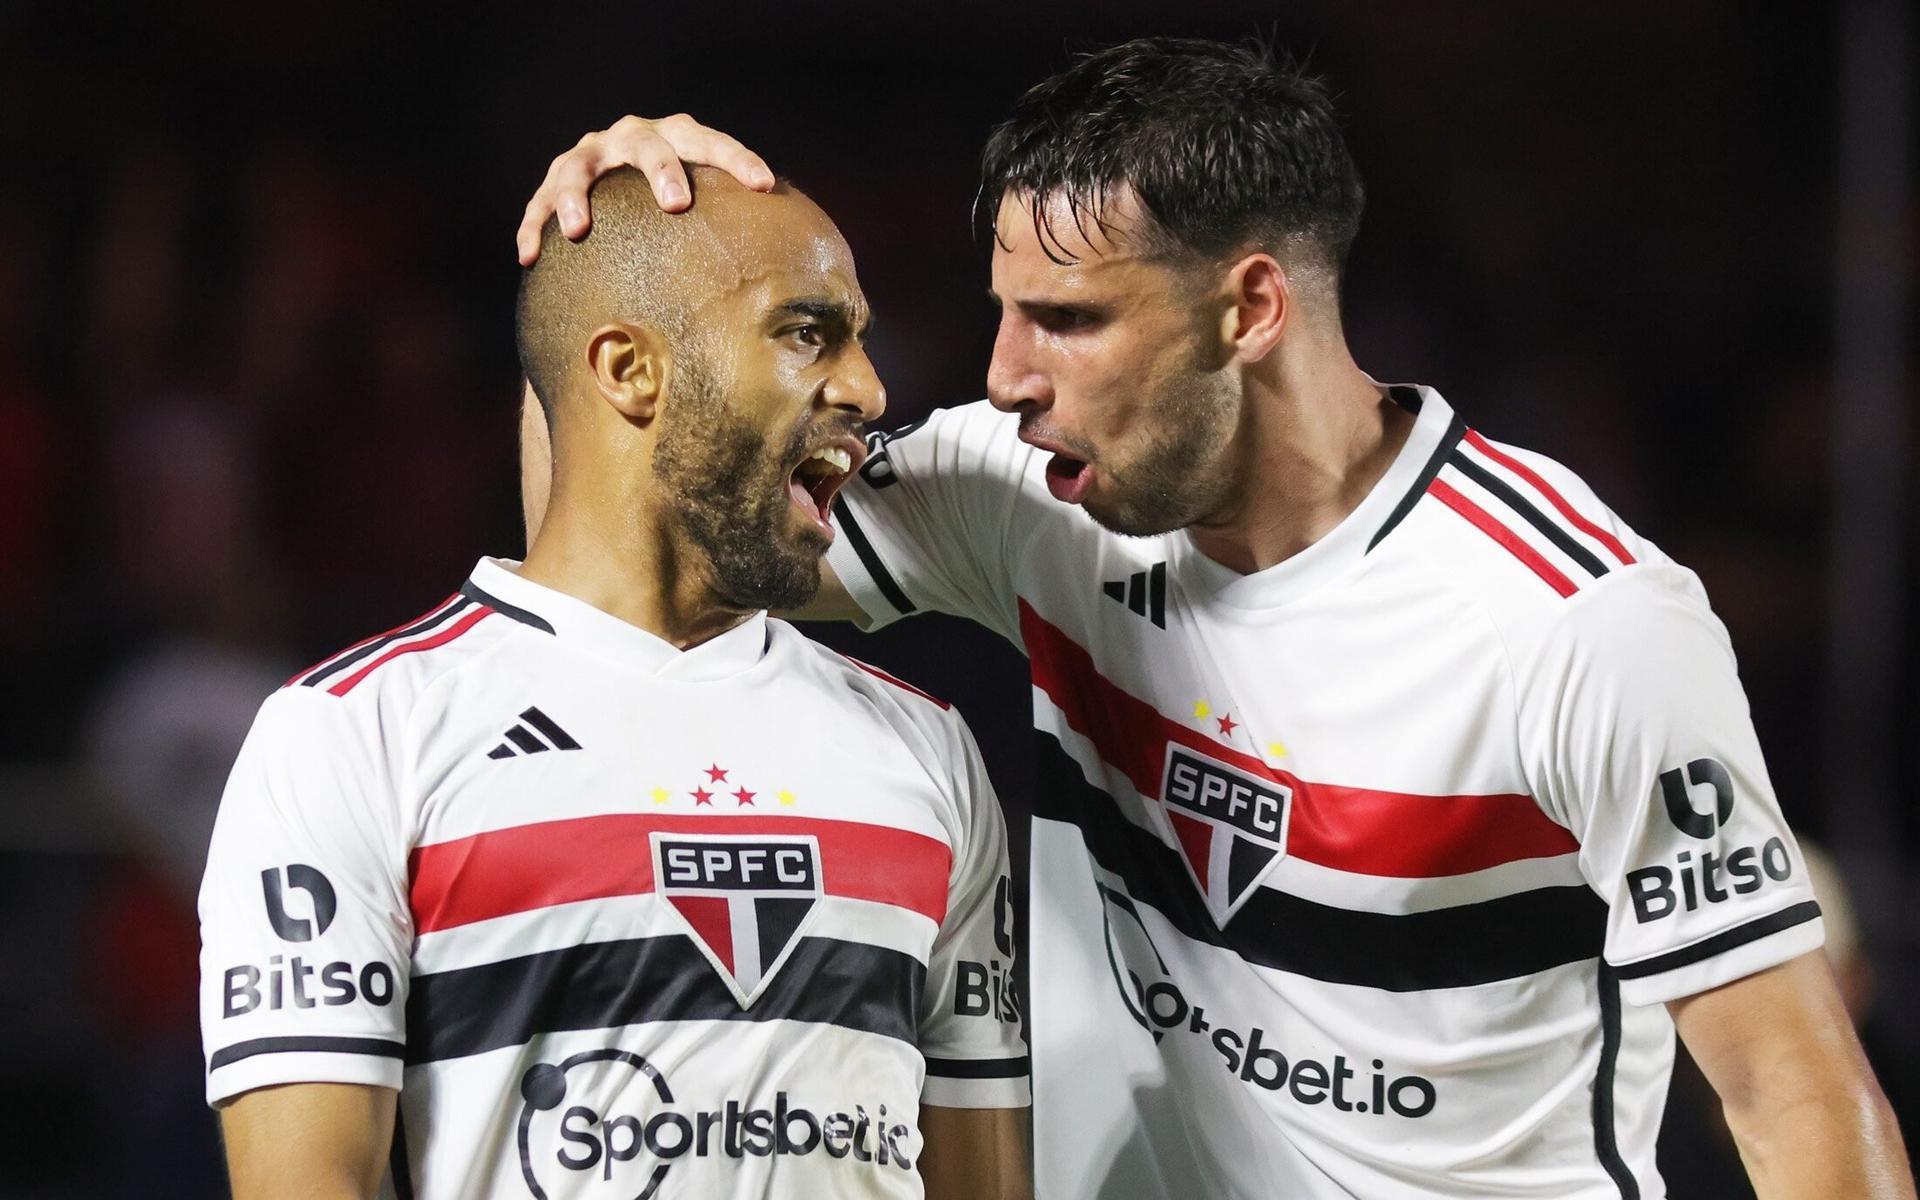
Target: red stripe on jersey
{"points": [[428, 615], [1553, 497], [1359, 830], [439, 639], [526, 867], [877, 673], [1487, 524]]}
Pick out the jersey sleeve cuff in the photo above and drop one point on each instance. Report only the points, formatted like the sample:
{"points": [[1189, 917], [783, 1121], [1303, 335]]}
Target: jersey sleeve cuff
{"points": [[264, 1062], [977, 1083], [1765, 941], [857, 565]]}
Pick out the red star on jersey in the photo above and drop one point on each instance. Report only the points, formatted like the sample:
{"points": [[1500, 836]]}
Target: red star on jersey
{"points": [[1227, 724], [715, 774], [745, 798], [702, 796]]}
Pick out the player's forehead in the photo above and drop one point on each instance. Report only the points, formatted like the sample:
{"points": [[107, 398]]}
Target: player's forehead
{"points": [[787, 249], [1047, 249]]}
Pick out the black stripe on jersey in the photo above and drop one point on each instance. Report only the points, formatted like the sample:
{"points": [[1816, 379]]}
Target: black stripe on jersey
{"points": [[545, 724], [379, 1047], [1508, 937], [473, 592], [605, 985], [328, 670], [1456, 429], [979, 1068], [870, 558], [1720, 943], [1606, 1142], [1533, 516]]}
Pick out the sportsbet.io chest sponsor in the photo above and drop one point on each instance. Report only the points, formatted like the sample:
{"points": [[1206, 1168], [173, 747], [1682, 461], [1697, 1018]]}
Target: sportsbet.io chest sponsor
{"points": [[607, 1120], [1360, 1084]]}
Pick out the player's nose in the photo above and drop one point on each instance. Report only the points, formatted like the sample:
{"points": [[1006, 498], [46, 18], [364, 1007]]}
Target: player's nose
{"points": [[1014, 381], [856, 386]]}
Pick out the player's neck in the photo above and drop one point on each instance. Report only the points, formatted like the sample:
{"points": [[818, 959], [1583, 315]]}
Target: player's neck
{"points": [[622, 564], [1318, 436]]}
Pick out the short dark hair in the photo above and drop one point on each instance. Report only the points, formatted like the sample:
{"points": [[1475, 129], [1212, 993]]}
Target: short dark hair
{"points": [[1225, 145]]}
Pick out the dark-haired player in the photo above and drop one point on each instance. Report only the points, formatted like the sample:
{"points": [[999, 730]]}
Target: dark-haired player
{"points": [[1396, 801], [594, 881]]}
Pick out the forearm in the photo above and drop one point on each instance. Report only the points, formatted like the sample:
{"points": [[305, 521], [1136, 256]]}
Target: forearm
{"points": [[309, 1141], [1841, 1142], [975, 1154]]}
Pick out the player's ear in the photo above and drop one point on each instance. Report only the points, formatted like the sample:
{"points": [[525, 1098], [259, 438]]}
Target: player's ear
{"points": [[630, 366], [1259, 302]]}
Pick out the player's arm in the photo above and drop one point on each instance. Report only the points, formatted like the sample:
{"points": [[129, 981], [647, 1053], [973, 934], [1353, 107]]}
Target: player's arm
{"points": [[1646, 751], [315, 1141], [975, 1152], [305, 943], [1802, 1103]]}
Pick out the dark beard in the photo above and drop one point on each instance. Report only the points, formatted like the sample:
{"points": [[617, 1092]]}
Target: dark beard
{"points": [[731, 496], [1178, 480]]}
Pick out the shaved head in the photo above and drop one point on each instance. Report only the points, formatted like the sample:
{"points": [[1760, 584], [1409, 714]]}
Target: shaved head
{"points": [[649, 268]]}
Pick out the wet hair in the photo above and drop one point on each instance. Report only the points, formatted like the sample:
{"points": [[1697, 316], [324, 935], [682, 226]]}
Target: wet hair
{"points": [[1227, 147]]}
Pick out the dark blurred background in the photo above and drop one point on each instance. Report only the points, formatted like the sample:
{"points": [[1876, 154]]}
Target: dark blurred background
{"points": [[257, 390]]}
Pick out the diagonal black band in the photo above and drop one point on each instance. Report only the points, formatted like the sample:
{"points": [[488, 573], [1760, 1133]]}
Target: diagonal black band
{"points": [[1533, 516], [1507, 937], [1456, 429], [378, 1047], [604, 985], [1720, 943], [328, 670], [1606, 1142], [473, 592], [547, 725], [870, 558]]}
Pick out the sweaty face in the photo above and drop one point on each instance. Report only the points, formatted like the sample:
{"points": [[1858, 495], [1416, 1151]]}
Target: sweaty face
{"points": [[1112, 362], [762, 423]]}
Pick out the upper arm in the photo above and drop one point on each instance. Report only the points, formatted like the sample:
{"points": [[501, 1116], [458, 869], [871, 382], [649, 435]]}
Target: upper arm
{"points": [[1640, 742], [935, 518], [305, 929], [1777, 1038], [970, 1016], [308, 1140], [975, 1153]]}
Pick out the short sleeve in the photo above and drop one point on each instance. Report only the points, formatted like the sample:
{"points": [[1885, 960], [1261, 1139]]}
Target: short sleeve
{"points": [[970, 1022], [933, 521], [1640, 742], [305, 932]]}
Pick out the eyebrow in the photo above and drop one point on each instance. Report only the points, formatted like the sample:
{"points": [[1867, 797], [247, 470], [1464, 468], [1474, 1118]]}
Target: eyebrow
{"points": [[830, 312]]}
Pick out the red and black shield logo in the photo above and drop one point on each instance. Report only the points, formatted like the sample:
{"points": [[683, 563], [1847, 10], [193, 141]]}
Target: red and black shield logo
{"points": [[1231, 826], [743, 896]]}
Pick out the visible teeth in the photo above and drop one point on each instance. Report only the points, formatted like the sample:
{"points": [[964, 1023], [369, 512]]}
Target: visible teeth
{"points": [[834, 457]]}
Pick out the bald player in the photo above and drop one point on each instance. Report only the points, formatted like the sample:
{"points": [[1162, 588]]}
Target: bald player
{"points": [[593, 881]]}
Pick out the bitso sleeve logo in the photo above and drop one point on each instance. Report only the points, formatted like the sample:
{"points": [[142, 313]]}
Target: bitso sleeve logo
{"points": [[320, 896], [1231, 827], [1708, 874]]}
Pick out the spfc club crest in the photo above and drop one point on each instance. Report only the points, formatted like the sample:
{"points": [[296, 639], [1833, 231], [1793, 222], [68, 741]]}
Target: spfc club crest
{"points": [[1231, 826], [744, 897]]}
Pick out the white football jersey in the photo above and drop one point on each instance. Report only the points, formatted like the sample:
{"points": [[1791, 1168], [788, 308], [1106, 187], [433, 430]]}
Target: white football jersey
{"points": [[1365, 875], [617, 920]]}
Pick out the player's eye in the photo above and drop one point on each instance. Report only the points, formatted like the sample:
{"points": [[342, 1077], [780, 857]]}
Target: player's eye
{"points": [[810, 334], [1059, 318]]}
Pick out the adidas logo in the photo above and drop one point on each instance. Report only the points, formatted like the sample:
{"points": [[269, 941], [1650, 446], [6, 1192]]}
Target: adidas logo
{"points": [[529, 739], [1143, 592]]}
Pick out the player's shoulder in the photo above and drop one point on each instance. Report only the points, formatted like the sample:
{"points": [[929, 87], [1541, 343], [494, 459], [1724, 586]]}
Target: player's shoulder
{"points": [[928, 724], [391, 671], [1522, 534]]}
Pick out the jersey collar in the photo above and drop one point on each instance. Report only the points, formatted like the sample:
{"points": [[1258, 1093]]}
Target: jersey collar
{"points": [[1436, 428], [497, 583]]}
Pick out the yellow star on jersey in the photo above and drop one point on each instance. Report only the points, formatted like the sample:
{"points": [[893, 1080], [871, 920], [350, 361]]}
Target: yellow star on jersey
{"points": [[660, 795], [1202, 710], [1276, 750], [784, 797]]}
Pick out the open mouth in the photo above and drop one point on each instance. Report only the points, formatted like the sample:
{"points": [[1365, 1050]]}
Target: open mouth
{"points": [[814, 483], [1068, 478]]}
